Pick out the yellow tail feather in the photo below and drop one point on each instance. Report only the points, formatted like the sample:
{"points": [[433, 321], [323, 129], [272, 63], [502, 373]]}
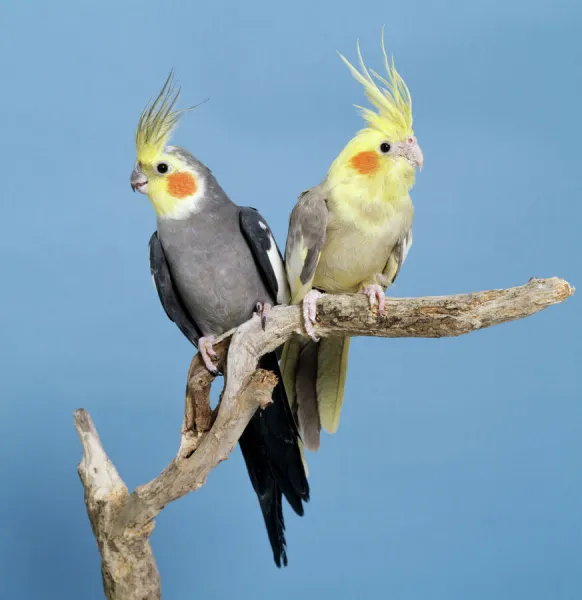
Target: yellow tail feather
{"points": [[332, 366]]}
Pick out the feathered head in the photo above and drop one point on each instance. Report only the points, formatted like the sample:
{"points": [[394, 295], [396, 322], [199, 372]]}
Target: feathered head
{"points": [[157, 122], [393, 102], [170, 176]]}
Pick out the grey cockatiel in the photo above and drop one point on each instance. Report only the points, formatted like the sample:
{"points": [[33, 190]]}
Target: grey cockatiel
{"points": [[214, 264], [350, 234]]}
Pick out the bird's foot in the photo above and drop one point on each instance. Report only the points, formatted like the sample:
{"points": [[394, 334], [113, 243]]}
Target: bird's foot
{"points": [[262, 310], [207, 352], [375, 294], [310, 312]]}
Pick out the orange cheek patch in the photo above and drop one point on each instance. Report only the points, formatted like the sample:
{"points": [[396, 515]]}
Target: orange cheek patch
{"points": [[181, 185], [366, 163]]}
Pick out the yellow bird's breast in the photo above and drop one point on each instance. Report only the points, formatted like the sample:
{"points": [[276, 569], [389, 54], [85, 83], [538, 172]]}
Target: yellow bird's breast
{"points": [[360, 237]]}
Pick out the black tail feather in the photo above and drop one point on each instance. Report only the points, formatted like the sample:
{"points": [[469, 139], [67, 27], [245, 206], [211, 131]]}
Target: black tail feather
{"points": [[266, 488], [271, 452]]}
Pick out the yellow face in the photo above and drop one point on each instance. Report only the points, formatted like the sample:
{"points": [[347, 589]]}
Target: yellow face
{"points": [[169, 182], [375, 163]]}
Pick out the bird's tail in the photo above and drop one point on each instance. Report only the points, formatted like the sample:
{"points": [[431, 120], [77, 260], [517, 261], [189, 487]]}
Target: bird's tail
{"points": [[315, 376], [332, 367], [270, 447]]}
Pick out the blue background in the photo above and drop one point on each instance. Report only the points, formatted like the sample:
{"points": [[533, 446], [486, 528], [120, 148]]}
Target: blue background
{"points": [[457, 469]]}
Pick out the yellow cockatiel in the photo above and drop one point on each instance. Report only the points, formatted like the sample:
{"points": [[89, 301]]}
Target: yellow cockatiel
{"points": [[350, 234]]}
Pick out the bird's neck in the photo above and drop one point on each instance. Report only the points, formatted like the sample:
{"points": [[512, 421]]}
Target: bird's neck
{"points": [[209, 198], [352, 196]]}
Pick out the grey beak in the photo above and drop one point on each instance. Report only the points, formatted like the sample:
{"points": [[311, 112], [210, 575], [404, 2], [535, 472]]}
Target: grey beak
{"points": [[137, 179]]}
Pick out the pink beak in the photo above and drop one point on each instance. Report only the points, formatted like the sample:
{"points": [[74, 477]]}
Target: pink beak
{"points": [[413, 152]]}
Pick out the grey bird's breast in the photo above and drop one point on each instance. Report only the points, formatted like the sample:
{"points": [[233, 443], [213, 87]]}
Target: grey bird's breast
{"points": [[213, 269]]}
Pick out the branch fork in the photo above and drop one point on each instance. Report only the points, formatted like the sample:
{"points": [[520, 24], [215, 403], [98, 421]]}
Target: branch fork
{"points": [[122, 522]]}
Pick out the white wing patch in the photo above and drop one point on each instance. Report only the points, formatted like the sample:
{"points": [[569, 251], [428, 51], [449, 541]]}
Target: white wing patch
{"points": [[283, 295], [263, 226]]}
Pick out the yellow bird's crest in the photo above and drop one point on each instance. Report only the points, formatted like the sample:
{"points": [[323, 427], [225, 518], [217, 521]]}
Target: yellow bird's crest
{"points": [[393, 102], [157, 122]]}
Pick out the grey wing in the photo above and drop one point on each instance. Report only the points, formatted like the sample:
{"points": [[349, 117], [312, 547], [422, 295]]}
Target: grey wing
{"points": [[171, 302], [396, 259], [305, 241], [265, 252]]}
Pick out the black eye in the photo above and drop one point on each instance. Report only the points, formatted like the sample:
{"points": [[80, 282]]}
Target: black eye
{"points": [[385, 147], [162, 168]]}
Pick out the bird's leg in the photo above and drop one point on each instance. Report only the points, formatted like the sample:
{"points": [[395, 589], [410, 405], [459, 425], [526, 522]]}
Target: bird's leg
{"points": [[206, 350], [310, 312], [262, 308], [383, 280], [375, 293]]}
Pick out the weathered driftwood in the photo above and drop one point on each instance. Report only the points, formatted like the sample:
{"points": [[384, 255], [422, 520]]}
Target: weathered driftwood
{"points": [[122, 522]]}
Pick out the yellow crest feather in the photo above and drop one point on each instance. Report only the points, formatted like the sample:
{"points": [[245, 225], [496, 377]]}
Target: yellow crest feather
{"points": [[393, 102], [157, 122]]}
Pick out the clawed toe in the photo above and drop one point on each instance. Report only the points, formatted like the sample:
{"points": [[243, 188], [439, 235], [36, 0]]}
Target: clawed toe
{"points": [[262, 310], [207, 352], [375, 294], [310, 313]]}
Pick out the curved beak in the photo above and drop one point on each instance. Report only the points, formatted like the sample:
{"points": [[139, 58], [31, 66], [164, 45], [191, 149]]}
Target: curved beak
{"points": [[138, 180], [414, 153]]}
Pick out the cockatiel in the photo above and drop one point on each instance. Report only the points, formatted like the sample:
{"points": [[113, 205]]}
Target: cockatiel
{"points": [[349, 234], [214, 264]]}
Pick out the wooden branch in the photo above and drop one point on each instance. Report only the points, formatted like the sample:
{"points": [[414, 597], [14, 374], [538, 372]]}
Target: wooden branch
{"points": [[128, 568], [122, 522]]}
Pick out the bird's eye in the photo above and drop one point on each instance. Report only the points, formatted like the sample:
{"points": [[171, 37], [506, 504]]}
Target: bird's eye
{"points": [[162, 168], [385, 147]]}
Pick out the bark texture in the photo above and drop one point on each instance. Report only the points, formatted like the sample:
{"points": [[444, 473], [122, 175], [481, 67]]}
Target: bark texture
{"points": [[122, 522]]}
